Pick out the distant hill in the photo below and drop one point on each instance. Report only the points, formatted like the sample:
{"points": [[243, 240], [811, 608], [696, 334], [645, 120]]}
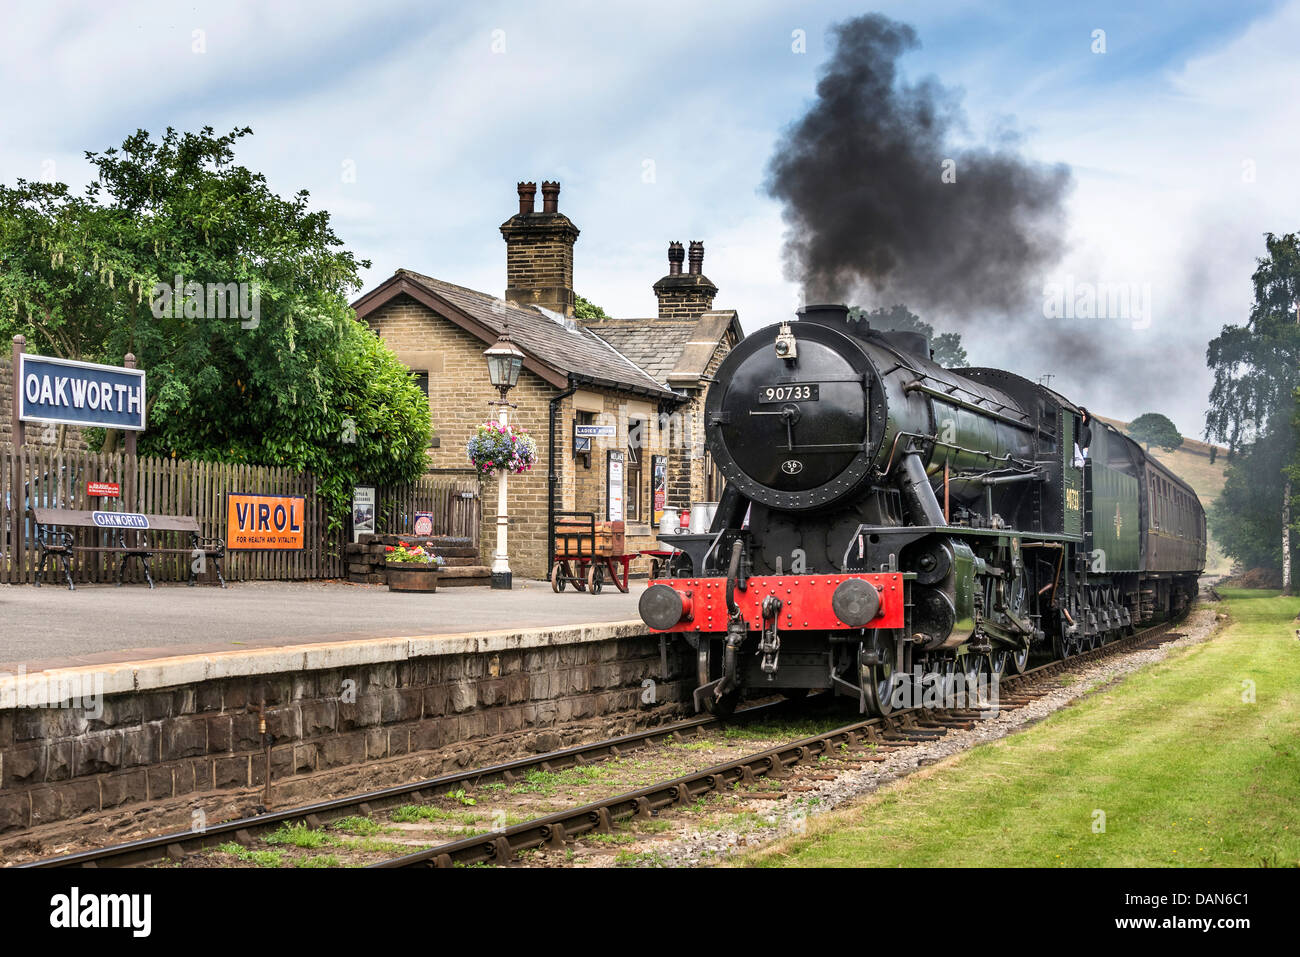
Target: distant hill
{"points": [[1191, 463]]}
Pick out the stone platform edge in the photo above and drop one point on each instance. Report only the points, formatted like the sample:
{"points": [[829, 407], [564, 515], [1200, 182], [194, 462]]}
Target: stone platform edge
{"points": [[48, 687]]}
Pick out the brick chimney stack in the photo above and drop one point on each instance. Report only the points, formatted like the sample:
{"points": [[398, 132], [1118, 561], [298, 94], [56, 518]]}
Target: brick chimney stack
{"points": [[539, 251], [689, 295]]}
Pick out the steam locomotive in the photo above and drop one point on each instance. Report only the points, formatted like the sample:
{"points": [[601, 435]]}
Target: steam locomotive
{"points": [[887, 521]]}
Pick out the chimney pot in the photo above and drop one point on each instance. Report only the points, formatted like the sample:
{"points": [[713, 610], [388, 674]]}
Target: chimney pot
{"points": [[697, 258], [527, 198], [675, 256], [550, 197]]}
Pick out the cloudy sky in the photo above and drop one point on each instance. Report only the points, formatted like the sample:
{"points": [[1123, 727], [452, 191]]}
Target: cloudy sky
{"points": [[412, 122]]}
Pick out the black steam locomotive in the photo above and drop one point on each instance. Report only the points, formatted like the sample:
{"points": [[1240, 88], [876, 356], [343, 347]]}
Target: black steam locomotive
{"points": [[887, 522]]}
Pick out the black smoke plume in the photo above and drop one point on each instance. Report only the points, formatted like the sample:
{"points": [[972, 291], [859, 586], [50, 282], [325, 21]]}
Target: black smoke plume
{"points": [[861, 179]]}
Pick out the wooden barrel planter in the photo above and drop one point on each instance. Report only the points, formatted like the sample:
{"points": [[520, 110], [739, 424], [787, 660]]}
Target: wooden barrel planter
{"points": [[409, 576]]}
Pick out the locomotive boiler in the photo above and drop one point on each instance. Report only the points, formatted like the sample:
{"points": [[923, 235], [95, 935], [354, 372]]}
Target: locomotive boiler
{"points": [[887, 521]]}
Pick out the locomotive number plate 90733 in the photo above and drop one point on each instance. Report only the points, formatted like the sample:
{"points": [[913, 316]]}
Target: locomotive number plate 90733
{"points": [[794, 392]]}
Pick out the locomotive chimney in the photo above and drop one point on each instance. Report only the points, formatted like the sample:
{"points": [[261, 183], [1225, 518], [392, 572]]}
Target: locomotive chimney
{"points": [[825, 314]]}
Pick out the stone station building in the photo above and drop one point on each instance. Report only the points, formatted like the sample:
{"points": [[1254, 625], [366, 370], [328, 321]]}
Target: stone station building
{"points": [[643, 380]]}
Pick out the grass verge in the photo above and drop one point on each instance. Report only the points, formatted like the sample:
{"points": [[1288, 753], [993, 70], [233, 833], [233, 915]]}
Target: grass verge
{"points": [[1192, 761]]}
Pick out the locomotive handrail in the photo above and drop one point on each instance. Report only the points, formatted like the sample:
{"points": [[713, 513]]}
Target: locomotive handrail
{"points": [[918, 386], [947, 445]]}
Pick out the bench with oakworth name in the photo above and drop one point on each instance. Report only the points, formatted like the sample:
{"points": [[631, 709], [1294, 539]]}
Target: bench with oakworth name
{"points": [[132, 532]]}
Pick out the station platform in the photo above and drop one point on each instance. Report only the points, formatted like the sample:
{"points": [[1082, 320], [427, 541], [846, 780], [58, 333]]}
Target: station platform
{"points": [[48, 628]]}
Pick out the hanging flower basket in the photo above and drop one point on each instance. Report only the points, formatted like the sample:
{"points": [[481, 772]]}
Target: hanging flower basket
{"points": [[496, 448]]}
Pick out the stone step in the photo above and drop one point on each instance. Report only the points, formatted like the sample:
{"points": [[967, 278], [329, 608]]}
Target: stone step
{"points": [[458, 575]]}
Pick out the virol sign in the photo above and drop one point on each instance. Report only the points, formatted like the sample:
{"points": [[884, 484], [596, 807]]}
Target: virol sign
{"points": [[265, 521]]}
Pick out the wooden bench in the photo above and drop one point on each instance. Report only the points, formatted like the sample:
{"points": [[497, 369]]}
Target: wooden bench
{"points": [[60, 545]]}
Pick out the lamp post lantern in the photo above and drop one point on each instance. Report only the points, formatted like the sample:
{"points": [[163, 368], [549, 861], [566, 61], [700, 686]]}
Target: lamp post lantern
{"points": [[504, 362]]}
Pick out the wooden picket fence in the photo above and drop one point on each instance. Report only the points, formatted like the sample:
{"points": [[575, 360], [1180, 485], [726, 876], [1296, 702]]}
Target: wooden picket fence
{"points": [[34, 475]]}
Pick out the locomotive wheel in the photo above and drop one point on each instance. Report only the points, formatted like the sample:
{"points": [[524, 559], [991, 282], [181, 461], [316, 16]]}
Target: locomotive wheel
{"points": [[595, 577], [877, 680], [999, 659], [1017, 660], [557, 580]]}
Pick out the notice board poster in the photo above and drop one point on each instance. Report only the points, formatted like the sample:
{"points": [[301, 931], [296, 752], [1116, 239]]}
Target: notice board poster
{"points": [[363, 511], [263, 522], [614, 486], [659, 473]]}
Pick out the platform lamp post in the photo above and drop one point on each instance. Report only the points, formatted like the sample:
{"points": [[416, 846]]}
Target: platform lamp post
{"points": [[504, 361]]}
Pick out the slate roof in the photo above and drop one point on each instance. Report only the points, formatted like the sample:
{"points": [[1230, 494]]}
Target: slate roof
{"points": [[653, 344], [674, 351], [565, 346]]}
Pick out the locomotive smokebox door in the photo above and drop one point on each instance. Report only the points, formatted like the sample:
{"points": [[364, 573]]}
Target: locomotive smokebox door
{"points": [[796, 434]]}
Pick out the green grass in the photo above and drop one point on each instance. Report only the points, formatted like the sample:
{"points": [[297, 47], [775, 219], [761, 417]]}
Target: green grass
{"points": [[414, 813], [299, 835], [359, 826], [637, 858], [253, 858], [779, 731], [740, 820], [1186, 772], [545, 782]]}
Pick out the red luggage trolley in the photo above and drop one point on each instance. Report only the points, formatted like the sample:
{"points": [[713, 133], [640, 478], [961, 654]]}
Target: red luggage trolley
{"points": [[586, 550]]}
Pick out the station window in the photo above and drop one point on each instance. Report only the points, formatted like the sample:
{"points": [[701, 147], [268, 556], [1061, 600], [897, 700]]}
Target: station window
{"points": [[421, 380], [636, 430], [582, 446]]}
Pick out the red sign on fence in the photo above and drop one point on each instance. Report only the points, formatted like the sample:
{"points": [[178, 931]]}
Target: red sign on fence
{"points": [[107, 489]]}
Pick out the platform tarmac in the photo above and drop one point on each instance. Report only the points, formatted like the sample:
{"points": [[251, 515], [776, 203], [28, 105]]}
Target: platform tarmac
{"points": [[47, 628]]}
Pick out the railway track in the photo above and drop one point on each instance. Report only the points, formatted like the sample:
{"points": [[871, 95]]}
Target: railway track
{"points": [[865, 740], [181, 844], [859, 741]]}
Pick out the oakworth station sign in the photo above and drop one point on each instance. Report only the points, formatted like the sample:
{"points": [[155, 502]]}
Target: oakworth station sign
{"points": [[67, 392]]}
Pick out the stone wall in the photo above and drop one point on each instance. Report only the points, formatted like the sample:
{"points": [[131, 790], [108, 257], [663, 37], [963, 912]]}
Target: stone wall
{"points": [[200, 737]]}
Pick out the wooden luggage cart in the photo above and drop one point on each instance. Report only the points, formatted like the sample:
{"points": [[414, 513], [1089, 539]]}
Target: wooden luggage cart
{"points": [[587, 551]]}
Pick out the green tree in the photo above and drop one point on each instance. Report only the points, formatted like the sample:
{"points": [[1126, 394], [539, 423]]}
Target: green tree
{"points": [[1256, 372], [292, 379], [946, 346], [1152, 428], [587, 310]]}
